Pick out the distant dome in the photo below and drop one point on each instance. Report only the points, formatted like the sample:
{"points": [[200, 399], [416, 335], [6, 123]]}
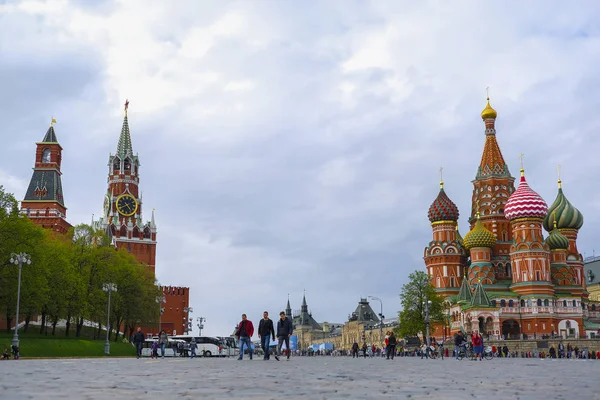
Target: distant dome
{"points": [[566, 215], [442, 208], [488, 112], [479, 236], [556, 240], [525, 203]]}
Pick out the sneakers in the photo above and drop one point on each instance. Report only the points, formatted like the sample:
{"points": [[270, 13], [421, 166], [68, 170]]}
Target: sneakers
{"points": [[277, 358]]}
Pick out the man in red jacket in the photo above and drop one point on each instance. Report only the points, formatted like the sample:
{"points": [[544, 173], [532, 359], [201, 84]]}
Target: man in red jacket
{"points": [[244, 332]]}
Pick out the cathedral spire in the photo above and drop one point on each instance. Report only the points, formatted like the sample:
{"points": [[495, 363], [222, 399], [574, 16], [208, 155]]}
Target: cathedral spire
{"points": [[50, 136], [288, 308], [492, 162], [124, 146]]}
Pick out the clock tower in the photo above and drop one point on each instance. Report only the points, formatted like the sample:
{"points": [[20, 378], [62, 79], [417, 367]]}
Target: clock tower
{"points": [[122, 213]]}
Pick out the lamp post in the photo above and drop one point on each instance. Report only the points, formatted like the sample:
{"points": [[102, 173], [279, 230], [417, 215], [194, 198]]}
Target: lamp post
{"points": [[108, 287], [18, 259], [187, 311], [427, 303], [160, 300], [381, 316], [201, 325]]}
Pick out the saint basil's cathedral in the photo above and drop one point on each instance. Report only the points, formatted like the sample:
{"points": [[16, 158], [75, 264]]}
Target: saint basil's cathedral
{"points": [[504, 278]]}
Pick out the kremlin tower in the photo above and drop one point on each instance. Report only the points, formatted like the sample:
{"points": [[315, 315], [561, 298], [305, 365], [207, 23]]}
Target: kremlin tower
{"points": [[504, 278]]}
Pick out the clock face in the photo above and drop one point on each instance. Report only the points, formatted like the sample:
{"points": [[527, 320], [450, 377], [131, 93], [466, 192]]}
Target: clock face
{"points": [[127, 205], [106, 205]]}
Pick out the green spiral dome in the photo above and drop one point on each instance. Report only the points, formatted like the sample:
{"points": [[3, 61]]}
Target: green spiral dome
{"points": [[567, 216], [556, 240]]}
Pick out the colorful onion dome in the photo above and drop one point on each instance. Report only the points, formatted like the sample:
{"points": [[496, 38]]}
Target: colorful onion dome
{"points": [[479, 236], [488, 112], [442, 209], [556, 240], [525, 203], [567, 216]]}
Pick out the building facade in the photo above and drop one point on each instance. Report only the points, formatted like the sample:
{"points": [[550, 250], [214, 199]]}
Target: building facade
{"points": [[122, 221], [505, 278]]}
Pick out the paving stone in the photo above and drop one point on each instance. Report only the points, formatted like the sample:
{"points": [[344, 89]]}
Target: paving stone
{"points": [[300, 378]]}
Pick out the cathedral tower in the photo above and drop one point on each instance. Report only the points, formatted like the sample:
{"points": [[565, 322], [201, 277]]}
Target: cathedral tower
{"points": [[44, 203], [492, 187], [444, 256], [529, 254], [122, 213]]}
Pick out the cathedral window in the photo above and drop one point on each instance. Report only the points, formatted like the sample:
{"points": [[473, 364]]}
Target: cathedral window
{"points": [[574, 303], [46, 156], [508, 270], [546, 303], [564, 303], [493, 302], [511, 303], [539, 302], [522, 303], [502, 303]]}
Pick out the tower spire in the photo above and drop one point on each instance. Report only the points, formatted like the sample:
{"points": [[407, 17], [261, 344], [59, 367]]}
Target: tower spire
{"points": [[124, 146], [492, 163], [441, 177]]}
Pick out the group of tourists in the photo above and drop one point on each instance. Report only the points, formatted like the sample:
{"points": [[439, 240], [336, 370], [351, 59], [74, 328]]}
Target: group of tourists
{"points": [[266, 332]]}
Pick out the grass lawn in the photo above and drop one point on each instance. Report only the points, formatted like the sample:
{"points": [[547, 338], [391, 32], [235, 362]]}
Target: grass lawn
{"points": [[33, 345]]}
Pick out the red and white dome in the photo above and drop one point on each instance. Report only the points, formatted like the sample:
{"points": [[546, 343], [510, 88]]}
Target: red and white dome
{"points": [[525, 203]]}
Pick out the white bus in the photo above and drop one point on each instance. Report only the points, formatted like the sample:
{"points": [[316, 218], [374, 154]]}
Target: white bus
{"points": [[209, 346]]}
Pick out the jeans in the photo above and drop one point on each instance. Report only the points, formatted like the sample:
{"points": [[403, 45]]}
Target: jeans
{"points": [[457, 349], [391, 351], [264, 343], [245, 339], [138, 349], [281, 340], [162, 349], [193, 351]]}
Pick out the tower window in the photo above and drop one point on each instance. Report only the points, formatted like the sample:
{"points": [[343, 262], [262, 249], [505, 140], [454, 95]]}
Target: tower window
{"points": [[127, 164], [116, 165], [46, 156]]}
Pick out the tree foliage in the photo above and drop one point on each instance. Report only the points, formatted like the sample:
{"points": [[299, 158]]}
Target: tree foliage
{"points": [[414, 293], [65, 278]]}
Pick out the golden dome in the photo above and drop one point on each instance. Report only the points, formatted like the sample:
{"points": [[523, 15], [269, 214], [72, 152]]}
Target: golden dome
{"points": [[488, 112]]}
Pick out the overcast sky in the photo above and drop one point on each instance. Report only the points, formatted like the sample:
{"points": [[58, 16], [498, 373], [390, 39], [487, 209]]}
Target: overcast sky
{"points": [[296, 145]]}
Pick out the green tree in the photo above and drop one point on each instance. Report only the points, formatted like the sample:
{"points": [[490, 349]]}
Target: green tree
{"points": [[414, 293]]}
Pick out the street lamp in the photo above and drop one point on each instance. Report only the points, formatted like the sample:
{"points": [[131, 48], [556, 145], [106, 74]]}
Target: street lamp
{"points": [[427, 303], [201, 325], [381, 316], [18, 259], [159, 300], [187, 311], [108, 287]]}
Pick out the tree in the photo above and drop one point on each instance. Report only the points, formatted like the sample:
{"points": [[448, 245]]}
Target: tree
{"points": [[414, 293]]}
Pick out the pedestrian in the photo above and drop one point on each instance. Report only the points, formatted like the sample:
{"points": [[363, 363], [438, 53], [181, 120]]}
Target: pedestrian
{"points": [[364, 349], [284, 331], [15, 350], [391, 347], [138, 340], [477, 341], [244, 332], [265, 332], [355, 350], [155, 349], [193, 347], [163, 340]]}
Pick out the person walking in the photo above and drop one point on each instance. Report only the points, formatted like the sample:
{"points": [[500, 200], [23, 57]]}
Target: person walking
{"points": [[391, 347], [459, 339], [284, 331], [193, 347], [163, 340], [244, 332], [138, 340], [265, 332], [355, 350]]}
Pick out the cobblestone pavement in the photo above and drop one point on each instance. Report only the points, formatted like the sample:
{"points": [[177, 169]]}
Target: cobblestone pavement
{"points": [[299, 378]]}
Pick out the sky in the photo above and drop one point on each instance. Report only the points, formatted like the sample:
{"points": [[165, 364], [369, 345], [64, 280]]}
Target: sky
{"points": [[290, 146]]}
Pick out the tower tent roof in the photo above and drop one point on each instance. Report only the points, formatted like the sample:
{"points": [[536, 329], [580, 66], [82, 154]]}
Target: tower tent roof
{"points": [[480, 297], [50, 136], [465, 291], [124, 147]]}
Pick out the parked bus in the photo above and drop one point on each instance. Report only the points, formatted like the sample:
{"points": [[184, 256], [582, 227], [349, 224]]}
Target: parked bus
{"points": [[209, 346]]}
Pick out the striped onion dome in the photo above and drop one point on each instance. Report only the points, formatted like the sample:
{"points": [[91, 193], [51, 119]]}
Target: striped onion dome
{"points": [[566, 216], [442, 208], [556, 240], [479, 236], [525, 203]]}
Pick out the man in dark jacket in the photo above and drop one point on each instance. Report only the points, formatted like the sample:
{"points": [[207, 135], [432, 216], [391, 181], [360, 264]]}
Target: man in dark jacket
{"points": [[244, 332], [391, 347], [138, 339], [265, 332], [284, 331], [458, 340]]}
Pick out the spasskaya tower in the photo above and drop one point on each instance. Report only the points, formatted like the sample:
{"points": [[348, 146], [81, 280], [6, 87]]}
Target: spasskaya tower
{"points": [[122, 213]]}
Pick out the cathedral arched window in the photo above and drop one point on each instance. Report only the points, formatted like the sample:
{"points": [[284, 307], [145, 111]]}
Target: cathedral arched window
{"points": [[508, 269], [116, 165], [511, 303], [493, 303], [522, 303], [546, 303], [564, 303], [502, 303], [574, 303], [46, 156], [539, 302], [529, 302]]}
